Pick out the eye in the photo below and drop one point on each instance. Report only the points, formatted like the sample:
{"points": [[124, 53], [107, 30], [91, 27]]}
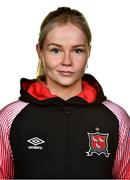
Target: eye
{"points": [[55, 50], [78, 50]]}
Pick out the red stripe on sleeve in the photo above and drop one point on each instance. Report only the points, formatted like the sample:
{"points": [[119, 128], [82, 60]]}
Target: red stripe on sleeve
{"points": [[121, 168], [7, 115]]}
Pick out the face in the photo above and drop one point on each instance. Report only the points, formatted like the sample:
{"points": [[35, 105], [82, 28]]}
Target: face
{"points": [[64, 54]]}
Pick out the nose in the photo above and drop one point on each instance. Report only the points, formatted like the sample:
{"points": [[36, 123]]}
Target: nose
{"points": [[67, 61]]}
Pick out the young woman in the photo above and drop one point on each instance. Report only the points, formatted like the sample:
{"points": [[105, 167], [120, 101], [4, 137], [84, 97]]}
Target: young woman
{"points": [[63, 126]]}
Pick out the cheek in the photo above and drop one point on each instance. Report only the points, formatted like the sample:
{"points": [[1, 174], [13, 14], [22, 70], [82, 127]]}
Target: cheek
{"points": [[50, 63], [81, 64]]}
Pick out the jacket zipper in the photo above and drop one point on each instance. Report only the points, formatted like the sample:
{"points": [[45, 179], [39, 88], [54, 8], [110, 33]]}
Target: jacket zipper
{"points": [[68, 146]]}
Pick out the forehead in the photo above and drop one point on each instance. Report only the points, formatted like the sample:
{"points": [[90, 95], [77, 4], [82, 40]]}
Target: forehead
{"points": [[67, 33]]}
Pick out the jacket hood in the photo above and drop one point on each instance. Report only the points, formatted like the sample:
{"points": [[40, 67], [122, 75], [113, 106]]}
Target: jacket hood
{"points": [[34, 91]]}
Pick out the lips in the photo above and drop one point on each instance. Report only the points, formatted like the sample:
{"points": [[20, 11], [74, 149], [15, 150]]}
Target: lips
{"points": [[66, 73]]}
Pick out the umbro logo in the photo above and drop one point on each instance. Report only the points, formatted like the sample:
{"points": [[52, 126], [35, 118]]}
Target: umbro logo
{"points": [[35, 142]]}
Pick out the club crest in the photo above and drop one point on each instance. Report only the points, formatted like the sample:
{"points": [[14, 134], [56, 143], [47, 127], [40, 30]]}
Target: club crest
{"points": [[98, 143]]}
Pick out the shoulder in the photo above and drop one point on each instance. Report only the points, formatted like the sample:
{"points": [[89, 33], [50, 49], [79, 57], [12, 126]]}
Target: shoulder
{"points": [[13, 107], [120, 113], [117, 109], [10, 111]]}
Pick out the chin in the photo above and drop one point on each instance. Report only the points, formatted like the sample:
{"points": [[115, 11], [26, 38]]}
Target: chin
{"points": [[66, 83]]}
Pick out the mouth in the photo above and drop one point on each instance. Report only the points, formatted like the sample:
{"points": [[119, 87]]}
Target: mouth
{"points": [[66, 73]]}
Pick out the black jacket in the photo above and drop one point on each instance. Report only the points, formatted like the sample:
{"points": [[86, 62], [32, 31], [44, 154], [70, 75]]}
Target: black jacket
{"points": [[53, 138]]}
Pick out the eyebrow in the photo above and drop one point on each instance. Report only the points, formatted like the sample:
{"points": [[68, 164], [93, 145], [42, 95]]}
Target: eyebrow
{"points": [[54, 44]]}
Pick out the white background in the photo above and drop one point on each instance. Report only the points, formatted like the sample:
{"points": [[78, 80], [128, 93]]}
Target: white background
{"points": [[109, 21]]}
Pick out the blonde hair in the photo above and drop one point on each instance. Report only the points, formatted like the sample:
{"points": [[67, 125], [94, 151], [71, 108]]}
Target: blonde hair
{"points": [[61, 16]]}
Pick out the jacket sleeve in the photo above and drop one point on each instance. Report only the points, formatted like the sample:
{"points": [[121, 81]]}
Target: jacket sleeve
{"points": [[6, 159], [121, 168], [7, 115]]}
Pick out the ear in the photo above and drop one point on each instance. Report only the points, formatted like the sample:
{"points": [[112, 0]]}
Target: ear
{"points": [[89, 50], [39, 51]]}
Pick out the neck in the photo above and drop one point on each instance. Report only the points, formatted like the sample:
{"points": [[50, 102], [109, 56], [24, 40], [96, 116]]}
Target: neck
{"points": [[65, 92]]}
